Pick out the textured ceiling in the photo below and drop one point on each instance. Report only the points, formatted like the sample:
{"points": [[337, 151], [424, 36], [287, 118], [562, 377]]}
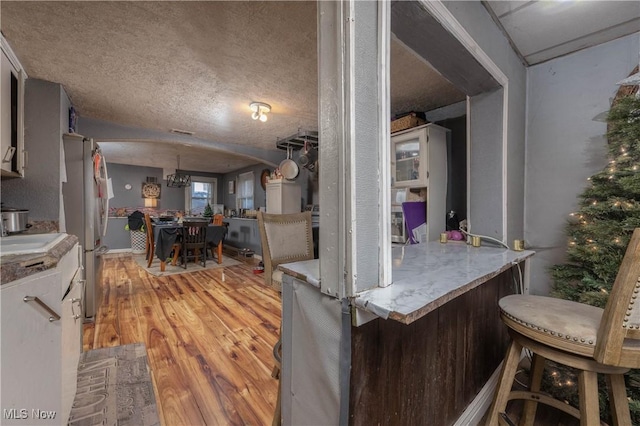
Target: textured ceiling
{"points": [[194, 66], [197, 65]]}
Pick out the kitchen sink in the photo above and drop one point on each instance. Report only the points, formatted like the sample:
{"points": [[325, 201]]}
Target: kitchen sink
{"points": [[31, 243]]}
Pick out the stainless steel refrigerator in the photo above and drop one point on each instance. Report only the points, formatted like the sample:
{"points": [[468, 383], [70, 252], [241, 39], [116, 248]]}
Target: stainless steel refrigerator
{"points": [[85, 197]]}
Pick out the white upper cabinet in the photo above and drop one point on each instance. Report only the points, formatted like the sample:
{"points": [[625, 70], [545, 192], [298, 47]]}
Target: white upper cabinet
{"points": [[419, 160], [411, 152], [12, 78]]}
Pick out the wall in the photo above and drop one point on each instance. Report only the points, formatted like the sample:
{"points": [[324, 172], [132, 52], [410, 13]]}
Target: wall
{"points": [[567, 100], [173, 198], [121, 174], [305, 179], [46, 119], [170, 198], [477, 22], [456, 165], [454, 118]]}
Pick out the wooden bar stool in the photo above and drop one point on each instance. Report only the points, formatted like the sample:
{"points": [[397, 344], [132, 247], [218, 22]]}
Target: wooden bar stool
{"points": [[584, 337], [285, 238]]}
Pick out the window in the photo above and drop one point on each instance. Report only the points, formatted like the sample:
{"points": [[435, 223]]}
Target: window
{"points": [[201, 192], [244, 195]]}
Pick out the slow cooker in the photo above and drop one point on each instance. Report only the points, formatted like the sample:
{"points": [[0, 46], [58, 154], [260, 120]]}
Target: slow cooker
{"points": [[14, 220]]}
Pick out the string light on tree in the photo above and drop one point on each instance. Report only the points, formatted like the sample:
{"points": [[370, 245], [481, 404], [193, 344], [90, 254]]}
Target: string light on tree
{"points": [[598, 234]]}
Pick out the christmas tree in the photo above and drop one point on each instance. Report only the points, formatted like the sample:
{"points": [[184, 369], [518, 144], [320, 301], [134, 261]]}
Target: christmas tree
{"points": [[598, 237], [208, 211]]}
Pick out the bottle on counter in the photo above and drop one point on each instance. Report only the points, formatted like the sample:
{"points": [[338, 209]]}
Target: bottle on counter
{"points": [[453, 224]]}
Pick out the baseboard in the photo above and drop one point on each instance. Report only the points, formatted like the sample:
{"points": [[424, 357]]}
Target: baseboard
{"points": [[123, 250], [480, 404]]}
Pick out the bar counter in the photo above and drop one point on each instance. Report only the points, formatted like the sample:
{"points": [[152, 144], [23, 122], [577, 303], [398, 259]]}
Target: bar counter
{"points": [[425, 277], [427, 353]]}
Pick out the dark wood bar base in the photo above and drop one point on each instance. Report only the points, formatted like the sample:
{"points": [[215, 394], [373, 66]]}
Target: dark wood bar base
{"points": [[427, 372]]}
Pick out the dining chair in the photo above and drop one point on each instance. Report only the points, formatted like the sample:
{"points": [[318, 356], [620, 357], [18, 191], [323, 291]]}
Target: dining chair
{"points": [[194, 237], [586, 338], [151, 244], [285, 238], [216, 248]]}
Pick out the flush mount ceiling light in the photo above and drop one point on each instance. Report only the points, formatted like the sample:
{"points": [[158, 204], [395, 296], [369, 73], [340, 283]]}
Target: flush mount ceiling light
{"points": [[260, 110]]}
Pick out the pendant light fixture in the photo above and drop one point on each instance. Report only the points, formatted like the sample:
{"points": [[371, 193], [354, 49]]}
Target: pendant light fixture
{"points": [[177, 179]]}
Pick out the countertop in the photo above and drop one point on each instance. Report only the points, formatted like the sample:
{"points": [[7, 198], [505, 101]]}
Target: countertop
{"points": [[425, 277], [14, 267]]}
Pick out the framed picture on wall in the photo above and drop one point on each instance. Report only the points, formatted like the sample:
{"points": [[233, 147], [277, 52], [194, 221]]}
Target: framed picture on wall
{"points": [[151, 190], [232, 187], [264, 178]]}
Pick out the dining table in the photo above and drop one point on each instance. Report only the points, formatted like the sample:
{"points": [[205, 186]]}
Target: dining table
{"points": [[165, 235]]}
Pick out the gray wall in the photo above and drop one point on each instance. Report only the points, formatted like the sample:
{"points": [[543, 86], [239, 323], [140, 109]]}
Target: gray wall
{"points": [[170, 198], [304, 179], [477, 22], [567, 101], [173, 198], [46, 119], [122, 174], [486, 202], [454, 118]]}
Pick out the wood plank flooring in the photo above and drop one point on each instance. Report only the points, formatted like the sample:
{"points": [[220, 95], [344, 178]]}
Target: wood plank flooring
{"points": [[209, 338]]}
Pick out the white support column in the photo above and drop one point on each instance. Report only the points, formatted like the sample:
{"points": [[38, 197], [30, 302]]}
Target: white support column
{"points": [[353, 40]]}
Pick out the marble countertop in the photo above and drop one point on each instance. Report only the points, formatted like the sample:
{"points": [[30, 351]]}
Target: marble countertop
{"points": [[306, 270], [14, 267], [425, 277]]}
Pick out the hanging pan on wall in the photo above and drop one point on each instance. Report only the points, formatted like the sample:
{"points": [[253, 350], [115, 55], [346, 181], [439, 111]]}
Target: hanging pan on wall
{"points": [[288, 167], [308, 157]]}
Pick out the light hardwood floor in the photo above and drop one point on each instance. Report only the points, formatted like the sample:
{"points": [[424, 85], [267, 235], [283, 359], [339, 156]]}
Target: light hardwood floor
{"points": [[209, 338]]}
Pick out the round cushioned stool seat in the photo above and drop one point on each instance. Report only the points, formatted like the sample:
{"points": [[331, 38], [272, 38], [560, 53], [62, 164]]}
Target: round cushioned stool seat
{"points": [[559, 323]]}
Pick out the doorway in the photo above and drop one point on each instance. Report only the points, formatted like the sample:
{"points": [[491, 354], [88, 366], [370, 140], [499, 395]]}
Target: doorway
{"points": [[477, 171]]}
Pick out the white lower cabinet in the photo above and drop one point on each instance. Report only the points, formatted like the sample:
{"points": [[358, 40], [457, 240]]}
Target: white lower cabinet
{"points": [[39, 351]]}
